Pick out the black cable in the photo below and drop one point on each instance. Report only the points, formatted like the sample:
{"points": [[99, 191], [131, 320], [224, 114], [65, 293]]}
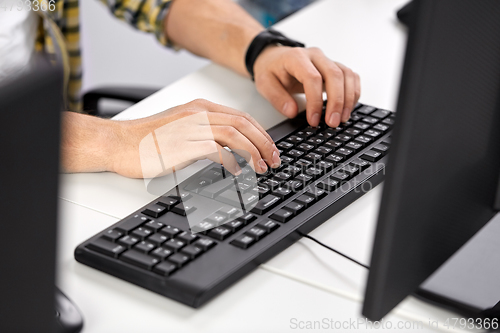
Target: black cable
{"points": [[332, 249]]}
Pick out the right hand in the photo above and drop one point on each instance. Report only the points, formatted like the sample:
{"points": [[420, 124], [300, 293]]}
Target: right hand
{"points": [[187, 133]]}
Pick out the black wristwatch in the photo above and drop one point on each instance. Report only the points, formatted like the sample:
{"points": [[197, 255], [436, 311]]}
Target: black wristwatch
{"points": [[261, 41]]}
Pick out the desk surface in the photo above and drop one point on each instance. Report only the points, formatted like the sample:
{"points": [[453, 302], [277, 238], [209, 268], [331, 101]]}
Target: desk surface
{"points": [[302, 283]]}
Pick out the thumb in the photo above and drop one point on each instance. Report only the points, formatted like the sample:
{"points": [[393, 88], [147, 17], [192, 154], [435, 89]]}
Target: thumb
{"points": [[271, 88]]}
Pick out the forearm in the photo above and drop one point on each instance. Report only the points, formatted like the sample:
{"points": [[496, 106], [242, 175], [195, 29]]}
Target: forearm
{"points": [[219, 30], [87, 143]]}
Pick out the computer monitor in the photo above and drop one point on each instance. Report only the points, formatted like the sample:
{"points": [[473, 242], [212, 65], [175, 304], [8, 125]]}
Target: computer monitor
{"points": [[30, 108], [444, 166]]}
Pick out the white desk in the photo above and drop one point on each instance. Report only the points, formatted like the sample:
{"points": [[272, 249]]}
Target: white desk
{"points": [[363, 34]]}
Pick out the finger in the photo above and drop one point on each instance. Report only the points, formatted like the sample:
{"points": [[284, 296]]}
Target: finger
{"points": [[230, 137], [261, 142], [334, 84], [272, 89], [306, 73], [213, 107], [349, 92], [357, 91]]}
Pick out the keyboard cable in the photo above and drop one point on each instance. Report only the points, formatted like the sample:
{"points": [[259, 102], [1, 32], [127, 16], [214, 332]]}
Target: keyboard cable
{"points": [[332, 249]]}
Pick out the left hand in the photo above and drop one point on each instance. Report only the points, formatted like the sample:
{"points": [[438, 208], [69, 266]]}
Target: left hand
{"points": [[281, 71]]}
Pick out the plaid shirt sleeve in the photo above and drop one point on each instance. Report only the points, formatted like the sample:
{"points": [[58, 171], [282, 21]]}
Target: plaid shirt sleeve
{"points": [[145, 15]]}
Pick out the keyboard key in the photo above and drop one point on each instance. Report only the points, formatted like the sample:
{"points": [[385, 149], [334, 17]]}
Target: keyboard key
{"points": [[144, 247], [139, 259], [261, 190], [365, 109], [292, 170], [106, 247], [161, 253], [265, 204], [381, 148], [271, 183], [344, 152], [282, 192], [232, 198], [243, 241], [167, 202], [282, 215], [192, 251], [112, 234], [183, 209], [361, 164], [388, 121], [381, 127], [197, 184], [165, 268], [173, 245], [282, 176], [247, 218], [315, 172], [294, 153], [154, 225], [214, 174], [157, 239], [316, 193], [313, 157], [353, 132], [340, 176], [316, 141], [363, 139], [295, 139], [295, 207], [350, 170], [323, 151], [305, 200], [373, 133], [128, 241], [141, 232], [187, 237], [354, 146], [328, 184], [344, 138], [361, 125], [268, 226], [205, 244], [219, 233], [216, 218], [155, 210], [170, 231], [304, 178], [326, 166], [256, 233], [303, 164], [380, 114], [130, 224], [284, 145], [334, 159], [234, 225], [370, 120], [179, 259], [372, 156], [294, 185], [334, 144], [305, 147], [213, 190], [286, 159]]}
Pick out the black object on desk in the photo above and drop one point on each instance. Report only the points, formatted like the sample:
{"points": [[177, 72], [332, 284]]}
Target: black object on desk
{"points": [[30, 108]]}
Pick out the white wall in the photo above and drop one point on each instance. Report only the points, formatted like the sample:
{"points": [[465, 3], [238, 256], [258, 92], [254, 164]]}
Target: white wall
{"points": [[114, 53]]}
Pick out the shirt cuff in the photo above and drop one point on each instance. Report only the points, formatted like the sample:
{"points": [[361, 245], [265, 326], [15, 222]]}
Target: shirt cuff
{"points": [[159, 18]]}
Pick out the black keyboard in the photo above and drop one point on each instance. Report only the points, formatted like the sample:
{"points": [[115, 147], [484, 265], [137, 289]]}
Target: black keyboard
{"points": [[323, 170]]}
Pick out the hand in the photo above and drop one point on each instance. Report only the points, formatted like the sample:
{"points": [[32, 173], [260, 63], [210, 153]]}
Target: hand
{"points": [[280, 71], [156, 145]]}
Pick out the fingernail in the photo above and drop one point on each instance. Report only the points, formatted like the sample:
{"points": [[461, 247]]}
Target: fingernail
{"points": [[238, 170], [263, 165], [285, 109], [347, 113], [334, 119], [276, 160], [315, 119]]}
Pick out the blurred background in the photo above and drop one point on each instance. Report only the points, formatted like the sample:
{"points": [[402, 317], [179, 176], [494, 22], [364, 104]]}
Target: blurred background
{"points": [[109, 46]]}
